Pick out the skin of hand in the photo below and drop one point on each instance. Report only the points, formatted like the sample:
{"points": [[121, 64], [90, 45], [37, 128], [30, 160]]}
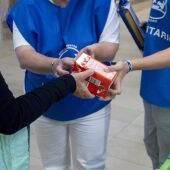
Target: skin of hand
{"points": [[121, 68], [91, 50], [62, 66], [101, 51], [27, 57], [87, 50], [81, 88], [96, 51], [61, 3]]}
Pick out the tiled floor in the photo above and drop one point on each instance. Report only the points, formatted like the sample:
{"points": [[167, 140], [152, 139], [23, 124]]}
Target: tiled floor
{"points": [[125, 149]]}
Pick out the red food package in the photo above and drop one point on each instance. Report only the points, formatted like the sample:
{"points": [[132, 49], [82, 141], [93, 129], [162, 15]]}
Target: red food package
{"points": [[98, 83]]}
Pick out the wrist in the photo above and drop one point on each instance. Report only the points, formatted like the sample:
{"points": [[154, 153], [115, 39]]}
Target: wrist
{"points": [[129, 65], [53, 63]]}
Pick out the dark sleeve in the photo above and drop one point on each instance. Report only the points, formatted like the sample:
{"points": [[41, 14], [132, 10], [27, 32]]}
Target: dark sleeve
{"points": [[16, 113]]}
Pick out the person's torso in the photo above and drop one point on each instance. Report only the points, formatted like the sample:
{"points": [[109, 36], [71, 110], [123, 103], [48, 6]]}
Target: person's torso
{"points": [[63, 32], [155, 84]]}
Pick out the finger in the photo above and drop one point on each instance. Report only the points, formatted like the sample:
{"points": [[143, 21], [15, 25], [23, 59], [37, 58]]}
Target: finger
{"points": [[88, 95], [116, 67], [104, 99], [68, 61], [115, 89], [118, 87], [113, 92], [60, 71], [108, 98], [84, 94], [56, 75], [86, 73], [89, 52]]}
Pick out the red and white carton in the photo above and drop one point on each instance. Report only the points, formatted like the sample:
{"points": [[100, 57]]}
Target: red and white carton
{"points": [[98, 83]]}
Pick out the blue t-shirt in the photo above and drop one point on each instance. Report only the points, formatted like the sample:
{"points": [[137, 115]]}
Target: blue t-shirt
{"points": [[60, 32], [155, 84]]}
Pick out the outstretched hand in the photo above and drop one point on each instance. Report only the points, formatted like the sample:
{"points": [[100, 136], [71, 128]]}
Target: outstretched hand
{"points": [[121, 68], [62, 66], [81, 88], [87, 50]]}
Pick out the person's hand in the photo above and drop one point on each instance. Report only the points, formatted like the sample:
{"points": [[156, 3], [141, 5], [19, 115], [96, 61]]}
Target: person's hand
{"points": [[87, 50], [81, 88], [121, 68], [62, 66]]}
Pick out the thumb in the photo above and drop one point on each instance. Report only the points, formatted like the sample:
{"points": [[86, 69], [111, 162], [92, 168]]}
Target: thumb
{"points": [[87, 73], [68, 61], [116, 67], [89, 51]]}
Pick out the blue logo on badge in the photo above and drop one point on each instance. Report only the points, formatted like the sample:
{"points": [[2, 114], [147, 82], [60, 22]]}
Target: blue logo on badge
{"points": [[159, 9]]}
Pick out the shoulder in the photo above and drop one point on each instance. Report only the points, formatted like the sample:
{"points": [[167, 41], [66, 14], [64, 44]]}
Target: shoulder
{"points": [[24, 4], [23, 7], [21, 11]]}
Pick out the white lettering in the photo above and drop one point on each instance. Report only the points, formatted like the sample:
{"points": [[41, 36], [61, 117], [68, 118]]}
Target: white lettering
{"points": [[147, 29], [163, 35], [157, 33], [151, 30]]}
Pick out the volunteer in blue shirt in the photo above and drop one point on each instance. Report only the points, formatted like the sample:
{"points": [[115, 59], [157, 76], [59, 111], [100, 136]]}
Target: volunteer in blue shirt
{"points": [[155, 84], [43, 31]]}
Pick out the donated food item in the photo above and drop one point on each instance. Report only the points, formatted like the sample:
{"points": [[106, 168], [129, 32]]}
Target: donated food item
{"points": [[98, 83]]}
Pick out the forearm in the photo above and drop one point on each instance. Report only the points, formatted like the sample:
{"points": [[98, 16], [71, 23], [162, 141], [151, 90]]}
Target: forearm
{"points": [[31, 60], [16, 113], [105, 51], [155, 61]]}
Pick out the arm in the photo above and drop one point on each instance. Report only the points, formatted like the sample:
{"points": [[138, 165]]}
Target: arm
{"points": [[27, 56], [43, 65], [103, 51], [156, 61], [108, 43], [16, 113]]}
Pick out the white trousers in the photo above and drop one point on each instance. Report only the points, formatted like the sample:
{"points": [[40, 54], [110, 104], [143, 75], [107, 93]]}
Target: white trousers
{"points": [[81, 142]]}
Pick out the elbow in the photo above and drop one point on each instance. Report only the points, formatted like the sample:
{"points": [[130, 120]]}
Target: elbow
{"points": [[22, 65], [23, 54], [116, 47]]}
